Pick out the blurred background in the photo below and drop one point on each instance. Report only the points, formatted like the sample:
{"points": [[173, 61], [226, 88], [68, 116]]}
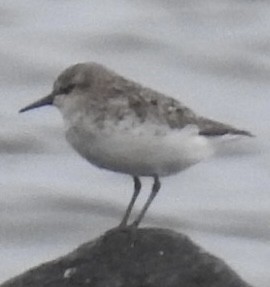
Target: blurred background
{"points": [[212, 55]]}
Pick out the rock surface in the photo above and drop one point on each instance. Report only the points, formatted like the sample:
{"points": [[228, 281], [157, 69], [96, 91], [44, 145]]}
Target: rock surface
{"points": [[148, 257]]}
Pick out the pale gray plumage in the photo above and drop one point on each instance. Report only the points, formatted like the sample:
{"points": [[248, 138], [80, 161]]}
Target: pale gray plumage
{"points": [[122, 126]]}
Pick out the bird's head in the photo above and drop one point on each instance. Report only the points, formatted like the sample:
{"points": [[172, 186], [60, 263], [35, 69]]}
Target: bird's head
{"points": [[72, 82]]}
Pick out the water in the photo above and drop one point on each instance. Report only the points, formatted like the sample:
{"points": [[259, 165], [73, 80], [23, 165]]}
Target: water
{"points": [[212, 55]]}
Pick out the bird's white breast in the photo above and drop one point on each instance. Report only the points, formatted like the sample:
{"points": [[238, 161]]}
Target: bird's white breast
{"points": [[142, 149]]}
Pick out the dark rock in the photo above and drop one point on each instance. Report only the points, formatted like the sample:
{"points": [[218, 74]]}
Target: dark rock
{"points": [[147, 257]]}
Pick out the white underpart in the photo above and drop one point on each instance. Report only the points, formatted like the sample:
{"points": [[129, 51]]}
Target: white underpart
{"points": [[142, 149]]}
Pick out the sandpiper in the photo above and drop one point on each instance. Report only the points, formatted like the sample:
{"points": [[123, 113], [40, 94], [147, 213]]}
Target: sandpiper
{"points": [[120, 125]]}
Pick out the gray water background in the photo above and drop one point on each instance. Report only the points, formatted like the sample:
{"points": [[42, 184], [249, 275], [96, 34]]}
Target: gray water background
{"points": [[212, 55]]}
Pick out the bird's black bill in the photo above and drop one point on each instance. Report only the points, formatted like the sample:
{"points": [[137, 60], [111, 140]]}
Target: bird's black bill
{"points": [[42, 102]]}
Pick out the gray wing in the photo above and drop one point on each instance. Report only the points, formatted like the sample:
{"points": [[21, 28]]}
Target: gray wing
{"points": [[149, 105], [212, 128], [176, 115]]}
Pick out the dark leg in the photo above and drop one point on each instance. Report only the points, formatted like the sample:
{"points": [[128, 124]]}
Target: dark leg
{"points": [[155, 189], [137, 188]]}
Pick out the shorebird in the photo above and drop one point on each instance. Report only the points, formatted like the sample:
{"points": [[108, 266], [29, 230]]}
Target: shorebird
{"points": [[120, 125]]}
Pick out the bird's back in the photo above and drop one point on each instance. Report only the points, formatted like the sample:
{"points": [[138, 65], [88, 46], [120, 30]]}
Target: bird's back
{"points": [[121, 97]]}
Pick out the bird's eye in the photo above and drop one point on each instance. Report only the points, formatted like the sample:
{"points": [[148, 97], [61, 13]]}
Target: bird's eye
{"points": [[67, 89]]}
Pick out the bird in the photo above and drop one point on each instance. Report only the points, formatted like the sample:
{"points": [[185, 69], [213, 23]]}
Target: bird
{"points": [[120, 125]]}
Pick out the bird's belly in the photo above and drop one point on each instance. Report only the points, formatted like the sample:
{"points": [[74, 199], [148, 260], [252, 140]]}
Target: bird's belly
{"points": [[141, 154]]}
